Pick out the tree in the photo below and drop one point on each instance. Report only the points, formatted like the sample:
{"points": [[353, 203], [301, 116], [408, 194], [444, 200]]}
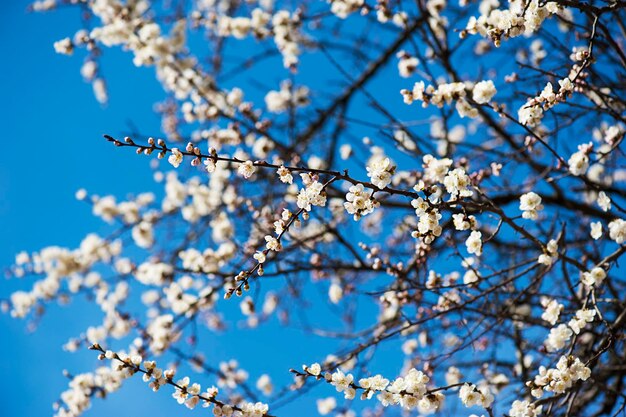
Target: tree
{"points": [[435, 180]]}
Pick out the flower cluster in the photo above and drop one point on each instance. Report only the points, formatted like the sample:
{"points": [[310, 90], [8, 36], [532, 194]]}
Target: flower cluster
{"points": [[524, 409], [550, 254], [359, 202], [312, 194], [407, 64], [531, 113], [617, 231], [530, 204], [409, 392], [552, 310], [428, 227], [283, 26], [558, 337], [472, 395], [287, 97], [569, 369], [128, 211], [82, 388], [380, 169], [185, 392], [457, 184], [581, 319], [579, 161], [520, 18], [482, 93], [464, 222], [63, 266], [474, 243], [594, 277]]}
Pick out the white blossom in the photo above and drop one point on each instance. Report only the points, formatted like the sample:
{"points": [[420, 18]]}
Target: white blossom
{"points": [[474, 243], [596, 230], [558, 337], [524, 409], [312, 195], [581, 319], [285, 175], [326, 405], [457, 184], [64, 46], [530, 204], [380, 169], [341, 381], [578, 163], [593, 277], [483, 92], [617, 231], [604, 201], [175, 158], [471, 395], [246, 169], [359, 202], [552, 311]]}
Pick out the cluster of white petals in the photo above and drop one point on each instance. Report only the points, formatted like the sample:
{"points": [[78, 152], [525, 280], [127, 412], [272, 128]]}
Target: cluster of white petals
{"points": [[558, 380], [550, 254], [287, 97], [525, 409], [520, 18], [617, 231], [593, 277], [312, 194], [380, 170], [409, 391], [472, 395], [359, 202], [482, 93], [530, 204], [579, 161]]}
